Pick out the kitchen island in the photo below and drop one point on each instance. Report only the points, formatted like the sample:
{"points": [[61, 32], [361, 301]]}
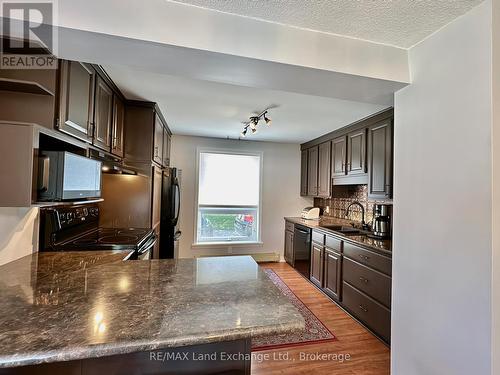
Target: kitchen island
{"points": [[91, 312]]}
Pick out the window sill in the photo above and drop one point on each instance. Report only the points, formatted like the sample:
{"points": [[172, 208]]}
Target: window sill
{"points": [[206, 245]]}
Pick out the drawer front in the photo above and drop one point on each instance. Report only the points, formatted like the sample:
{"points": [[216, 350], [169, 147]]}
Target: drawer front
{"points": [[369, 258], [318, 237], [373, 283], [333, 243], [289, 226], [373, 314]]}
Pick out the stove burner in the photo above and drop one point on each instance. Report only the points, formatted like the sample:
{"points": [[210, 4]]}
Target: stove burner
{"points": [[118, 239], [132, 231], [84, 241]]}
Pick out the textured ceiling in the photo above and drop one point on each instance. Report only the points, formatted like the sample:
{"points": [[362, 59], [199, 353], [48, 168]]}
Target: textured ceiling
{"points": [[399, 23]]}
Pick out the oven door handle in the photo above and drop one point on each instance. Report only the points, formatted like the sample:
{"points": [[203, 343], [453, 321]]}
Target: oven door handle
{"points": [[148, 246]]}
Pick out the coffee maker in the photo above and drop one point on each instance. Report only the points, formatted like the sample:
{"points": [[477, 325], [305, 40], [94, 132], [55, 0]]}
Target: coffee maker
{"points": [[382, 216]]}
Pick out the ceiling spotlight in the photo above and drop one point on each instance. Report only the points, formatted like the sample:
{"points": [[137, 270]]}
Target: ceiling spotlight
{"points": [[254, 121], [267, 119]]}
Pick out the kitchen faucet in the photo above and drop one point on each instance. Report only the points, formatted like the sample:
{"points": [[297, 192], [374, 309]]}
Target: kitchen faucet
{"points": [[356, 203]]}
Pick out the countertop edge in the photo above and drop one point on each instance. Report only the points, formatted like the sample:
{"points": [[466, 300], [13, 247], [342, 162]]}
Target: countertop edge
{"points": [[98, 351], [300, 221]]}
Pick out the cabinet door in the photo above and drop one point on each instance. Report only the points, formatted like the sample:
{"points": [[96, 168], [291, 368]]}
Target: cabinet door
{"points": [[76, 105], [317, 265], [158, 141], [118, 126], [166, 147], [312, 171], [324, 170], [356, 152], [339, 156], [331, 277], [380, 160], [303, 173], [157, 181], [289, 247], [103, 114]]}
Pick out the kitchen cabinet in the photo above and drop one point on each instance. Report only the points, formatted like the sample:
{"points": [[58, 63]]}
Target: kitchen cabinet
{"points": [[356, 152], [380, 156], [332, 270], [158, 140], [144, 134], [167, 141], [103, 115], [76, 105], [324, 170], [289, 247], [316, 276], [312, 171], [339, 156], [118, 126], [303, 172], [361, 154]]}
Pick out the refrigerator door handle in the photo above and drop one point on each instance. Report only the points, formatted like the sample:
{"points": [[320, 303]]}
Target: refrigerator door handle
{"points": [[177, 203]]}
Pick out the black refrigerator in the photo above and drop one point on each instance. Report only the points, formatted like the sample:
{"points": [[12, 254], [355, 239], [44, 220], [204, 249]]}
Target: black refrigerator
{"points": [[170, 209]]}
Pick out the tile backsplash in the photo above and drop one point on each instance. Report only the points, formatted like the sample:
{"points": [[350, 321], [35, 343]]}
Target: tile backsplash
{"points": [[342, 196]]}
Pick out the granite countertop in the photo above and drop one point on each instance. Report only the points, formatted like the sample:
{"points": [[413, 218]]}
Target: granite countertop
{"points": [[381, 246], [75, 305]]}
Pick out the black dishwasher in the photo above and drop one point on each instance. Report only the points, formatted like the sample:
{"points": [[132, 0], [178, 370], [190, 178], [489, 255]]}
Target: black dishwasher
{"points": [[302, 249]]}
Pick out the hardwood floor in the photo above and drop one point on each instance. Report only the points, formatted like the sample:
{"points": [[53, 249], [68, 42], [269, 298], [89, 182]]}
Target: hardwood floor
{"points": [[368, 356]]}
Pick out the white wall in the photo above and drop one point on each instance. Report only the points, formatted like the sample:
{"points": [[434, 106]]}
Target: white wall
{"points": [[280, 190], [18, 232], [441, 320]]}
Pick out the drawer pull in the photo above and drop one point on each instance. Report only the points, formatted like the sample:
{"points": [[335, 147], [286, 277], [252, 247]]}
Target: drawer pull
{"points": [[364, 257], [363, 279], [363, 308]]}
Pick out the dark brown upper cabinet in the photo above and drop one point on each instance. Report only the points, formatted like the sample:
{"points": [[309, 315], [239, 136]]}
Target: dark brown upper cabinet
{"points": [[324, 176], [312, 171], [339, 156], [167, 141], [76, 105], [158, 141], [118, 126], [103, 115], [356, 152], [303, 173], [144, 134], [380, 156]]}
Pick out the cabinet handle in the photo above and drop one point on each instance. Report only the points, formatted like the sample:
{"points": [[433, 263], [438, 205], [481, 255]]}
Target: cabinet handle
{"points": [[363, 279], [364, 257], [156, 151], [363, 308]]}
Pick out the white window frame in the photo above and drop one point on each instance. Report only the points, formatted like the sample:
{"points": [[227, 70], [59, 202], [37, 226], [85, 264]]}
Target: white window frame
{"points": [[228, 244]]}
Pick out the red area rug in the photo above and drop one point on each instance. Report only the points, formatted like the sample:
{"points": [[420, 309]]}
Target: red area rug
{"points": [[314, 333]]}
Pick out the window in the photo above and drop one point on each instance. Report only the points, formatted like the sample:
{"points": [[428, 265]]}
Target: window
{"points": [[228, 197]]}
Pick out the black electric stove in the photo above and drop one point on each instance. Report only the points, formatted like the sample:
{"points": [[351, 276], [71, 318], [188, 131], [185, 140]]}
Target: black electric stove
{"points": [[73, 228]]}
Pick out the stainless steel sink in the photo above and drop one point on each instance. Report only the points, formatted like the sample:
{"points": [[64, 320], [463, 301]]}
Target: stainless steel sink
{"points": [[342, 229]]}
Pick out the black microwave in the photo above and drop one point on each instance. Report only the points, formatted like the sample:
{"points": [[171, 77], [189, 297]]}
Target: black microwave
{"points": [[65, 176]]}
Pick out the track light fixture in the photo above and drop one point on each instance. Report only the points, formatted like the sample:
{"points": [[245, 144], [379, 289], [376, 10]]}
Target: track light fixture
{"points": [[254, 122]]}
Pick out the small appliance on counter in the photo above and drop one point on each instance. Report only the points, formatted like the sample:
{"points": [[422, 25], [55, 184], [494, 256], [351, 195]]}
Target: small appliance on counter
{"points": [[75, 227], [310, 213], [381, 226]]}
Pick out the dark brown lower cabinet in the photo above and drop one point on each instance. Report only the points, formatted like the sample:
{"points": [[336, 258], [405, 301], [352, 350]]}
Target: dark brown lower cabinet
{"points": [[357, 278], [317, 265], [289, 258], [331, 276], [228, 357], [376, 316]]}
